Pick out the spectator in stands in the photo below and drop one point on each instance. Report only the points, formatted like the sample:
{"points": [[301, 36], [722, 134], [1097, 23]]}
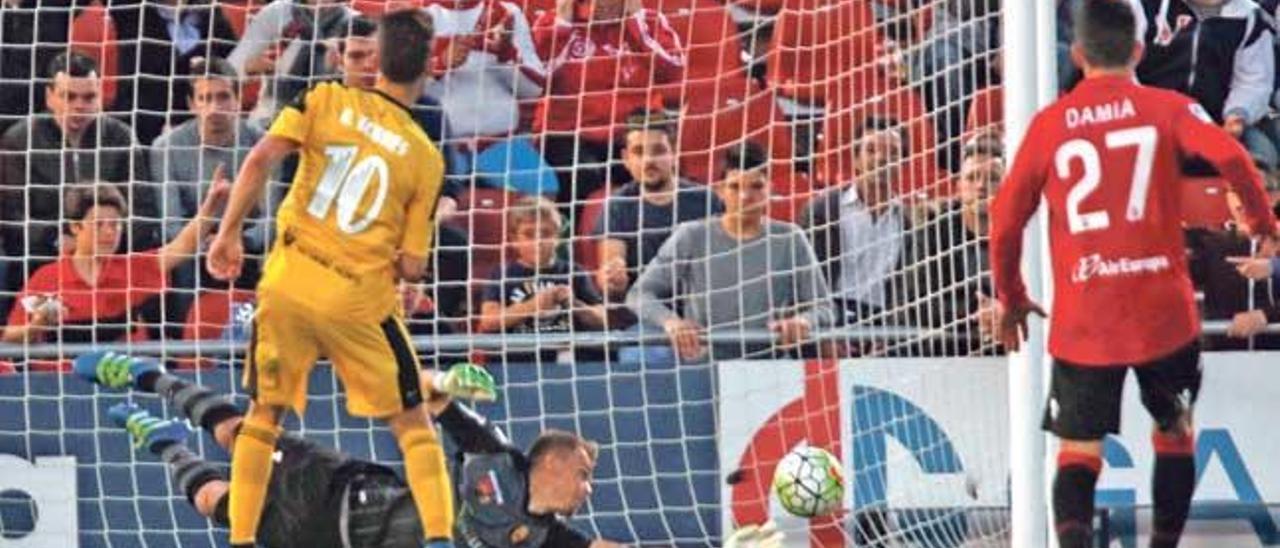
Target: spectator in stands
{"points": [[733, 273], [184, 158], [640, 216], [1227, 295], [861, 232], [285, 43], [601, 60], [32, 33], [538, 292], [951, 62], [73, 143], [952, 265], [354, 57], [183, 161], [157, 39], [90, 294], [482, 58], [1219, 52]]}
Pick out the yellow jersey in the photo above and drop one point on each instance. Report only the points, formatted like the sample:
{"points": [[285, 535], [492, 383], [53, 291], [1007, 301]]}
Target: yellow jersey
{"points": [[365, 191]]}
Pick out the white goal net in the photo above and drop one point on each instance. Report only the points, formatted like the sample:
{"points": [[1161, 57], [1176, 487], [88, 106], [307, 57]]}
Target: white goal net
{"points": [[608, 245]]}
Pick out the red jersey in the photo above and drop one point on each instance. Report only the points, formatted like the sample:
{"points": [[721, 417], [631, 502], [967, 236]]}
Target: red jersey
{"points": [[98, 312], [1107, 159], [599, 73]]}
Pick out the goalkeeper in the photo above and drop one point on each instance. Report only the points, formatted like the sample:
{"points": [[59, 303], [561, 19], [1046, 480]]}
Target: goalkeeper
{"points": [[318, 496]]}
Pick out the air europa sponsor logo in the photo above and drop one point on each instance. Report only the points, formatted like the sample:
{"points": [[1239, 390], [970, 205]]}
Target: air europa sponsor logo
{"points": [[1095, 266]]}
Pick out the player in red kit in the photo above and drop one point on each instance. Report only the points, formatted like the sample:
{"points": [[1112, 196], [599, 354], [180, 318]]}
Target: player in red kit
{"points": [[1106, 158]]}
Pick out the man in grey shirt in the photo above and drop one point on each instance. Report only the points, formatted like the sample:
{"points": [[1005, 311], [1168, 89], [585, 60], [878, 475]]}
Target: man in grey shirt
{"points": [[183, 162], [184, 158], [736, 272]]}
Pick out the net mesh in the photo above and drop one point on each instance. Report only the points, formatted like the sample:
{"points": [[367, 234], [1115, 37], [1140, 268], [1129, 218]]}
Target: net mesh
{"points": [[883, 116]]}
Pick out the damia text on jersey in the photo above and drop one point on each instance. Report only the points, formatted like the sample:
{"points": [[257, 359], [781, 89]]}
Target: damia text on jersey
{"points": [[1100, 114]]}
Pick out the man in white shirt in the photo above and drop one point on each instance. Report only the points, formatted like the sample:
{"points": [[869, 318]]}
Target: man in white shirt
{"points": [[860, 231]]}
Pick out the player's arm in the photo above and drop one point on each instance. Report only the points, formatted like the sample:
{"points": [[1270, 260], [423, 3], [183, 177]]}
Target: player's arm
{"points": [[471, 432], [1013, 206], [1197, 135], [415, 245], [474, 433], [183, 245], [252, 180]]}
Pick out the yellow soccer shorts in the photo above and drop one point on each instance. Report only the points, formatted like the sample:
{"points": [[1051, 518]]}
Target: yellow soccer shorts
{"points": [[375, 362]]}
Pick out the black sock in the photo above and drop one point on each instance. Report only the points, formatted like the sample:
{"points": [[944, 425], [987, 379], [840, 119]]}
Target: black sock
{"points": [[190, 472], [1073, 493], [200, 404], [147, 381], [1172, 485]]}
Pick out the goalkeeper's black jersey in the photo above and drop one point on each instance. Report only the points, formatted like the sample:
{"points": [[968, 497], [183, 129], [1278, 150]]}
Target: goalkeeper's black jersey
{"points": [[320, 497], [493, 490]]}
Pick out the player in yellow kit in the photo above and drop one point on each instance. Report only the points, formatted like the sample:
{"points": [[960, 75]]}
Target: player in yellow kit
{"points": [[357, 218]]}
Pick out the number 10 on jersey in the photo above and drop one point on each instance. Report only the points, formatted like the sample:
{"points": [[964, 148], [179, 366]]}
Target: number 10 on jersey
{"points": [[1143, 138], [347, 185]]}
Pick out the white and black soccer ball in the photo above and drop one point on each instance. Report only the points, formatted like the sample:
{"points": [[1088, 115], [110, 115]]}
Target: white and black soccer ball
{"points": [[809, 482]]}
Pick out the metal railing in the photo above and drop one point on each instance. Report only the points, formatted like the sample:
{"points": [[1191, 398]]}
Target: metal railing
{"points": [[519, 342]]}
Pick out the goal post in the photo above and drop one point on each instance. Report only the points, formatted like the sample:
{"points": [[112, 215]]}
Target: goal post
{"points": [[1029, 37]]}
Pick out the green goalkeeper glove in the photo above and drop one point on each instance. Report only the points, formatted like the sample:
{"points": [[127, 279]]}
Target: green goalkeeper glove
{"points": [[756, 536], [466, 380]]}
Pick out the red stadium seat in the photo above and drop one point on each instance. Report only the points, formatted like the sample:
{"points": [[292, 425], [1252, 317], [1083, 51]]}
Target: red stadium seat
{"points": [[709, 35], [93, 33], [720, 117], [7, 368], [834, 162], [986, 110], [765, 7], [816, 44], [1204, 203], [49, 366], [586, 245], [211, 312]]}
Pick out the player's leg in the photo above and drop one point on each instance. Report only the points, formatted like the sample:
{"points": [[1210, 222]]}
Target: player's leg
{"points": [[1083, 407], [1170, 387], [379, 371], [212, 411], [201, 482], [281, 354]]}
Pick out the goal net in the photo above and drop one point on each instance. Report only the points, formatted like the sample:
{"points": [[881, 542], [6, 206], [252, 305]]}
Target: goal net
{"points": [[644, 301]]}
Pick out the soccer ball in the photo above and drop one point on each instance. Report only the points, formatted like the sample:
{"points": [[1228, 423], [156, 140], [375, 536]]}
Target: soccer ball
{"points": [[809, 482]]}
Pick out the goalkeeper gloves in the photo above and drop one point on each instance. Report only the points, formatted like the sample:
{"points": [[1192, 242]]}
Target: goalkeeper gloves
{"points": [[756, 536], [466, 380]]}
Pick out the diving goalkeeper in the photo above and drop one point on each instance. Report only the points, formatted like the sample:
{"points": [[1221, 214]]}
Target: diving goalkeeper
{"points": [[319, 496]]}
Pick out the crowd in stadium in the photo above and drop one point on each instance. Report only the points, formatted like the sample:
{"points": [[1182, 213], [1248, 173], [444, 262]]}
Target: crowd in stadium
{"points": [[610, 163]]}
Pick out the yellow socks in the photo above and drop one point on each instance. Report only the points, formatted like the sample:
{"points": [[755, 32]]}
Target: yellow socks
{"points": [[424, 467], [250, 473]]}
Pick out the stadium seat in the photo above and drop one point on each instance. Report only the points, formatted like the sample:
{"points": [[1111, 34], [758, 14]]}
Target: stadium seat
{"points": [[1204, 203], [211, 313], [94, 34], [764, 7], [833, 163], [7, 368], [719, 117], [986, 109], [586, 244], [48, 366], [713, 49], [238, 12], [482, 217], [816, 43]]}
